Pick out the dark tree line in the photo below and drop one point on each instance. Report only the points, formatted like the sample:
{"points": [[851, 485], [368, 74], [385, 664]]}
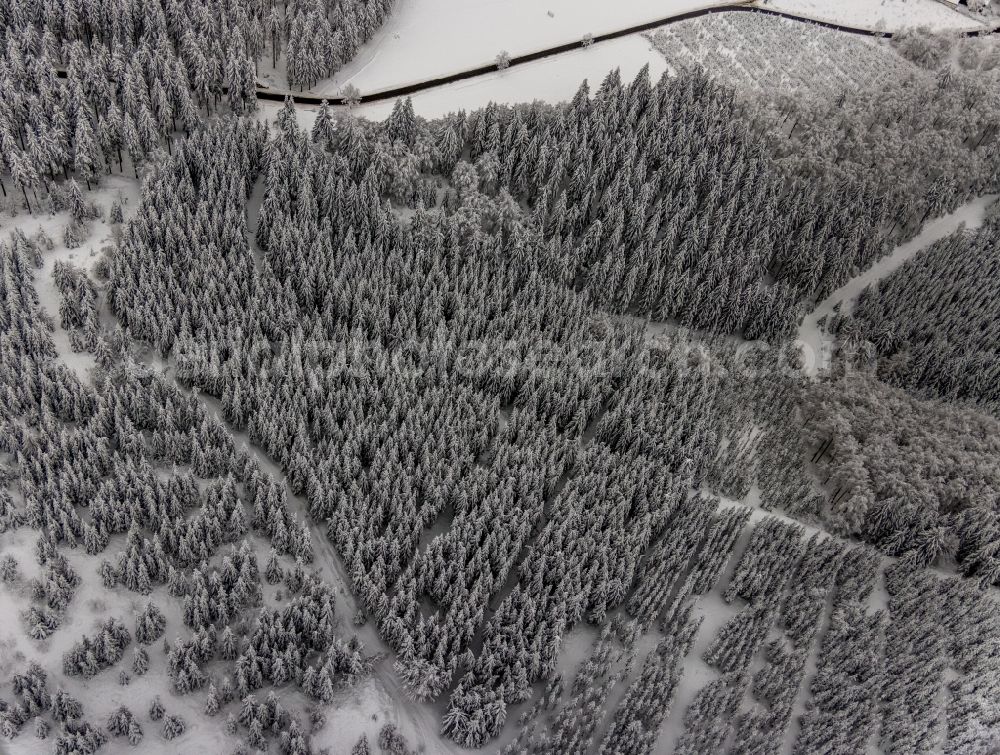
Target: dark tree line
{"points": [[646, 704], [78, 311], [798, 620], [931, 325], [666, 201], [842, 715], [135, 72], [51, 592], [91, 655], [320, 36], [690, 557]]}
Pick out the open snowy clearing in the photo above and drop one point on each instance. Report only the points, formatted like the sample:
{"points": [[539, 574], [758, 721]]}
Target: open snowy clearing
{"points": [[815, 343], [407, 49], [880, 15], [554, 79], [410, 46]]}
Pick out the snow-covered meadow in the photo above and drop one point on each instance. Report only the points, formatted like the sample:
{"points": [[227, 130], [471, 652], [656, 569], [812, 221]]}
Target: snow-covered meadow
{"points": [[553, 79], [426, 39]]}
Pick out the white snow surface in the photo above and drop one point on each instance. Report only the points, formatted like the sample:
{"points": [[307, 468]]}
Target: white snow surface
{"points": [[552, 79], [816, 343], [426, 39], [101, 694], [879, 15]]}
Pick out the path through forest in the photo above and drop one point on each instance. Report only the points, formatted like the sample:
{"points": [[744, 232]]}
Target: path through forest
{"points": [[816, 343], [379, 697]]}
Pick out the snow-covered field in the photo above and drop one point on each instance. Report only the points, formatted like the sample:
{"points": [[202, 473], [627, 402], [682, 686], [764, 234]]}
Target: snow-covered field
{"points": [[881, 15], [407, 48], [553, 79], [425, 39], [775, 56], [410, 47]]}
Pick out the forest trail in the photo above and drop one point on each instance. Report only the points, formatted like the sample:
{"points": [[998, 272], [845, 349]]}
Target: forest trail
{"points": [[817, 344], [419, 723]]}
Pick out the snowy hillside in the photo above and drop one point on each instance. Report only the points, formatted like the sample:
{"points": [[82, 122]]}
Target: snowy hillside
{"points": [[642, 398]]}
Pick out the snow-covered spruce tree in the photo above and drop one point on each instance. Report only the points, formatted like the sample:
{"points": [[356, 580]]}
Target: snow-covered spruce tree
{"points": [[156, 709], [122, 723], [32, 699], [150, 624], [390, 741], [79, 737], [173, 727], [65, 707], [140, 661], [93, 654]]}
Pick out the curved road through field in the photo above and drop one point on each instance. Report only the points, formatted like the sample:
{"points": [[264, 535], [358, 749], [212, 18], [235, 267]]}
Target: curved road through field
{"points": [[739, 6]]}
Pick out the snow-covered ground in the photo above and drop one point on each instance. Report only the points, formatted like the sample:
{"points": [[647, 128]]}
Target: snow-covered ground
{"points": [[695, 673], [425, 39], [102, 694], [116, 186], [406, 51], [771, 57], [816, 344], [361, 709], [553, 79], [879, 15]]}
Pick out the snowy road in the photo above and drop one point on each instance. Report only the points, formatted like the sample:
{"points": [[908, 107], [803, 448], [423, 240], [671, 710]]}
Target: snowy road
{"points": [[816, 344]]}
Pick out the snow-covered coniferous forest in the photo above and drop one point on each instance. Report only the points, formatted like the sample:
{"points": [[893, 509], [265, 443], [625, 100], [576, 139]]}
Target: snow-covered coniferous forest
{"points": [[615, 381]]}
